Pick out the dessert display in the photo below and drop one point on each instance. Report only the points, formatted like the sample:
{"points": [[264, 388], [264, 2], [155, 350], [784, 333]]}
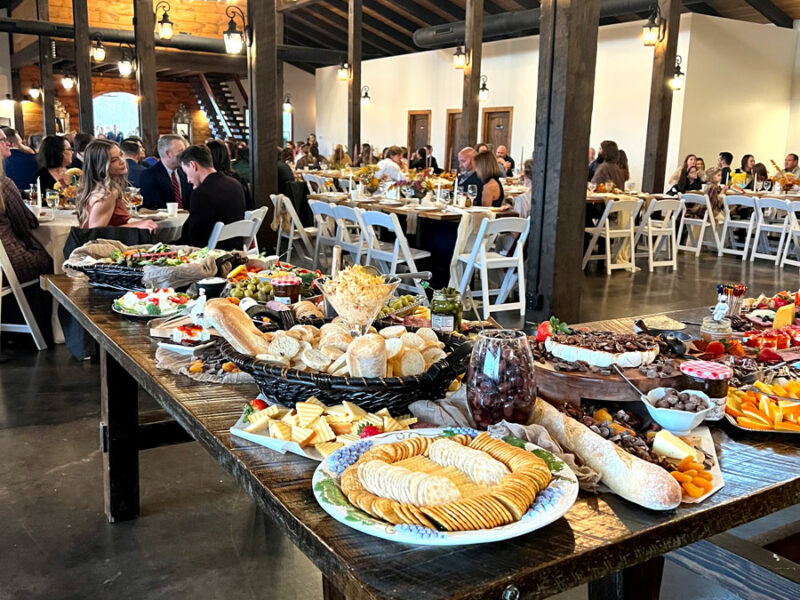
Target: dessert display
{"points": [[152, 303]]}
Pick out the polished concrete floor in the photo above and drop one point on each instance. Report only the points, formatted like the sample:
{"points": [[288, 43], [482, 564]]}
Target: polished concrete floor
{"points": [[199, 535]]}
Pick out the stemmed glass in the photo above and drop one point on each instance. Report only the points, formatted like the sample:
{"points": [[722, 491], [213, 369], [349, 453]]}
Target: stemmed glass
{"points": [[766, 185], [591, 186], [472, 192]]}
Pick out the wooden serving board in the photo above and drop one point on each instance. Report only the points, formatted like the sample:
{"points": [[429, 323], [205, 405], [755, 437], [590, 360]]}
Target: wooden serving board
{"points": [[559, 386]]}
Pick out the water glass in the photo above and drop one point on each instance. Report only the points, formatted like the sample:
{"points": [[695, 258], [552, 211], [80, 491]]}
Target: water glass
{"points": [[51, 198]]}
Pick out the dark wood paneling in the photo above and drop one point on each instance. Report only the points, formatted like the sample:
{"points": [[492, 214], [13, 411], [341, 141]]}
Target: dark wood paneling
{"points": [[771, 12], [473, 45], [144, 30], [46, 72], [83, 65]]}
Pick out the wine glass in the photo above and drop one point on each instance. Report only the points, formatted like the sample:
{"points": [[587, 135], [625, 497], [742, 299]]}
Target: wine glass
{"points": [[766, 185], [472, 192], [591, 186], [51, 198]]}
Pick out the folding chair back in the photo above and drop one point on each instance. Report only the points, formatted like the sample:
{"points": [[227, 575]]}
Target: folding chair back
{"points": [[661, 230], [244, 229], [15, 288], [772, 217], [350, 231], [731, 226], [325, 221], [622, 227], [704, 222], [311, 183]]}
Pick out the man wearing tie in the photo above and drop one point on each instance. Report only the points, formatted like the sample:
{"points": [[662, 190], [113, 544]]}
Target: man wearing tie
{"points": [[166, 181]]}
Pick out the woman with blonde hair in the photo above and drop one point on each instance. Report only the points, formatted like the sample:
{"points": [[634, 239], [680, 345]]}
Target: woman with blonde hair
{"points": [[101, 193], [339, 158], [488, 171]]}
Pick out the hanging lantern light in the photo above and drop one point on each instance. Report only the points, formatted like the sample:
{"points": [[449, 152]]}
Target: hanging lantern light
{"points": [[98, 49], [67, 82], [459, 58], [126, 64], [365, 98], [234, 37], [164, 24], [35, 92], [653, 30], [676, 83], [483, 92], [287, 104], [343, 72]]}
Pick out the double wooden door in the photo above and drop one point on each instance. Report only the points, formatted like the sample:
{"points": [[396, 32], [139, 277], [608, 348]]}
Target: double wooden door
{"points": [[419, 131], [452, 135]]}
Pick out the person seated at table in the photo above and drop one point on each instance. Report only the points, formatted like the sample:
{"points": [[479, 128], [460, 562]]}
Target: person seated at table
{"points": [[165, 181], [54, 157], [285, 173], [216, 197], [467, 175], [688, 182], [306, 161], [724, 161], [489, 173], [431, 159], [390, 167], [623, 165], [608, 170], [339, 158], [482, 148], [760, 175], [505, 161], [242, 163], [101, 193], [701, 168], [689, 161], [79, 145], [419, 161], [748, 162], [366, 157], [130, 151], [222, 163], [790, 165], [21, 163]]}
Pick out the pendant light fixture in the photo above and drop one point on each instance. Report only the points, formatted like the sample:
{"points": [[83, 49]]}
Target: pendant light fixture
{"points": [[483, 92], [234, 37], [676, 83], [164, 25], [98, 49]]}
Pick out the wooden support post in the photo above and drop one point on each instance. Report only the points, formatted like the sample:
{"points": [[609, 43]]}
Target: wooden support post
{"points": [[144, 23], [354, 30], [46, 72], [17, 93], [262, 66], [473, 40], [280, 88], [657, 139], [567, 56], [83, 65]]}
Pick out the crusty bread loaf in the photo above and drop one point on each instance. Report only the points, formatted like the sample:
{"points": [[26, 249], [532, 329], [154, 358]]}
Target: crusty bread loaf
{"points": [[628, 476], [366, 356], [236, 327]]}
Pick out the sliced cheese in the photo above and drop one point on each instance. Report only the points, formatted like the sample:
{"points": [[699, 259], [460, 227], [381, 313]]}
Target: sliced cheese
{"points": [[671, 446], [353, 411], [784, 316]]}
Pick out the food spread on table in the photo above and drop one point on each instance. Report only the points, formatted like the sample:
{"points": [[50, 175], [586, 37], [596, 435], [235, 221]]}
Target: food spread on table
{"points": [[156, 302], [160, 255]]}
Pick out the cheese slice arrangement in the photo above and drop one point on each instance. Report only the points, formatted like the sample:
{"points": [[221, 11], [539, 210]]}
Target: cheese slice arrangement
{"points": [[325, 428], [603, 348], [450, 484]]}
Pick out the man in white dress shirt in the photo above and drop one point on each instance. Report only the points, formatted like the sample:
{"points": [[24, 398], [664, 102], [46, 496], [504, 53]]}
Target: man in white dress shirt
{"points": [[389, 167]]}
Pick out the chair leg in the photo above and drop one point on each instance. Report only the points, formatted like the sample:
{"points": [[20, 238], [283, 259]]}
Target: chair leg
{"points": [[487, 301], [590, 249], [16, 289], [650, 249], [674, 250], [522, 297], [608, 255]]}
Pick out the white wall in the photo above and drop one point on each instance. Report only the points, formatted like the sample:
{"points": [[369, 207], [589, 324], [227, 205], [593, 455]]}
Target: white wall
{"points": [[301, 85], [6, 108]]}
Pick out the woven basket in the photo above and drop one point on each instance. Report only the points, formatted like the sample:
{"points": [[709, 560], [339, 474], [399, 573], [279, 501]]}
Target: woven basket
{"points": [[289, 386]]}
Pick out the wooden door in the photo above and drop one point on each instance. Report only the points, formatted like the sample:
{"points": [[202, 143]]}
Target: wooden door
{"points": [[497, 127], [451, 139], [419, 131]]}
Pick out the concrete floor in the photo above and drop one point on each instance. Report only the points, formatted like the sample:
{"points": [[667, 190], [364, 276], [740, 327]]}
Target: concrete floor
{"points": [[199, 535]]}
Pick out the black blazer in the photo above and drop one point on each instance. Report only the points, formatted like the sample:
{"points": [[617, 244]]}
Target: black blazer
{"points": [[157, 187]]}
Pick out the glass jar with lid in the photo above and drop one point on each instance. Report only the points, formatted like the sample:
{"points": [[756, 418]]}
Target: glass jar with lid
{"points": [[712, 379], [446, 310], [712, 330], [286, 289]]}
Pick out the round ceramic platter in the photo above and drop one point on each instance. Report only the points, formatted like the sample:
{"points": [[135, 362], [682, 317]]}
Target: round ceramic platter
{"points": [[550, 505], [138, 316]]}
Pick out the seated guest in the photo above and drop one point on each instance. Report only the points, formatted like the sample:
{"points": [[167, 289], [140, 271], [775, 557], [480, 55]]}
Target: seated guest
{"points": [[724, 161], [366, 157], [34, 141], [489, 173], [689, 181], [166, 181], [591, 155], [222, 164], [242, 163], [389, 167], [339, 158], [404, 158], [790, 165], [54, 157], [608, 170], [79, 144], [307, 160], [482, 148], [21, 162], [713, 189], [420, 160], [748, 162], [131, 151], [505, 161], [285, 173], [466, 167], [701, 167], [216, 197], [101, 194], [760, 175], [431, 159], [312, 141], [689, 161]]}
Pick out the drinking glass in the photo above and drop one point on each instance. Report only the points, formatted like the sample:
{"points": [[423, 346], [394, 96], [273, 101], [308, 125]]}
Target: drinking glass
{"points": [[591, 186], [472, 192], [51, 198], [766, 185]]}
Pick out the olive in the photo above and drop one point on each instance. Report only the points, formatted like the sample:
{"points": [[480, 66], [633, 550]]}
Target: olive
{"points": [[248, 294], [261, 296], [237, 293]]}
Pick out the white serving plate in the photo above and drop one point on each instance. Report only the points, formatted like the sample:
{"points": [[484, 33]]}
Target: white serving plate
{"points": [[170, 313], [549, 506], [262, 438], [707, 444]]}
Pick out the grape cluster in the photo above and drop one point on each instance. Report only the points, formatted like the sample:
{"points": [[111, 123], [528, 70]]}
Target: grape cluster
{"points": [[426, 533], [344, 457], [546, 500]]}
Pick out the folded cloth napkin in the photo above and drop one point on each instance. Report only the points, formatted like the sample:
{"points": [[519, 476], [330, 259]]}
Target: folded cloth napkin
{"points": [[453, 411]]}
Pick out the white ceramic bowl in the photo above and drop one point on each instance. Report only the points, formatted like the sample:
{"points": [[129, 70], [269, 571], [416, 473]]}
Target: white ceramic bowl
{"points": [[679, 422]]}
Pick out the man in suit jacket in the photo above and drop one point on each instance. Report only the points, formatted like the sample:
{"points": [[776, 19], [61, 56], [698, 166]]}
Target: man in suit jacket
{"points": [[131, 151], [166, 181], [467, 175], [21, 165], [216, 198]]}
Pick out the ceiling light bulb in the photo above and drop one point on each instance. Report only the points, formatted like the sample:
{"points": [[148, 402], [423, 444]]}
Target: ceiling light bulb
{"points": [[67, 82]]}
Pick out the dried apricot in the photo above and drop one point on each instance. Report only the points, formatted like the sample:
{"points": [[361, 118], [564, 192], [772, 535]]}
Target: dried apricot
{"points": [[682, 465], [681, 477], [702, 483], [693, 465], [705, 475], [693, 490]]}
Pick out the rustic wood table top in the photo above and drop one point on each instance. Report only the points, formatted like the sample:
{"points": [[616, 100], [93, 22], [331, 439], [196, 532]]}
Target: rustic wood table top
{"points": [[598, 536]]}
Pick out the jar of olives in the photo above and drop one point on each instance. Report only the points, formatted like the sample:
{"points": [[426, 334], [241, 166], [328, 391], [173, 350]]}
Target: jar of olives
{"points": [[257, 289], [446, 310], [500, 378], [286, 289]]}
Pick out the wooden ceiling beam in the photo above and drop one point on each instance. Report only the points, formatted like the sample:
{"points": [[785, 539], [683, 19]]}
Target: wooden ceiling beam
{"points": [[413, 12], [290, 5], [377, 28], [391, 18], [300, 32], [704, 9], [771, 12], [386, 46]]}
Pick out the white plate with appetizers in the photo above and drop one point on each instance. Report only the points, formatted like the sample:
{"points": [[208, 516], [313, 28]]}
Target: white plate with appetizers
{"points": [[550, 504], [136, 315]]}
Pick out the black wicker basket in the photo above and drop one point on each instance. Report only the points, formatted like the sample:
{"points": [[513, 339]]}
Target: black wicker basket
{"points": [[289, 386]]}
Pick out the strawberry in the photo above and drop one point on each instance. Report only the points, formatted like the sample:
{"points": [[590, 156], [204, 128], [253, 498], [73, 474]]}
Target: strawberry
{"points": [[544, 331], [258, 404], [715, 348], [369, 431]]}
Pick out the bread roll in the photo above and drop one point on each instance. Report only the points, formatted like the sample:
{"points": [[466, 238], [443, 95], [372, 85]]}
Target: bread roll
{"points": [[236, 327], [628, 476], [366, 356]]}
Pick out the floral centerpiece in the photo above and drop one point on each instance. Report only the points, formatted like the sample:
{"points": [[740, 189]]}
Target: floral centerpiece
{"points": [[420, 182], [366, 176], [67, 193]]}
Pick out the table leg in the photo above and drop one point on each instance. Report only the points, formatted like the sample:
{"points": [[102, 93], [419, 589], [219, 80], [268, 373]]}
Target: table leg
{"points": [[119, 415], [330, 591], [639, 582]]}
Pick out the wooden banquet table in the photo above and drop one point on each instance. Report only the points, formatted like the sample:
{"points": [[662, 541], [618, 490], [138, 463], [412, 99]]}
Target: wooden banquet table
{"points": [[602, 539]]}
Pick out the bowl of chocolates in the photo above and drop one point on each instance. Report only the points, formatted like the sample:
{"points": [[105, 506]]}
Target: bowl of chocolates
{"points": [[678, 411]]}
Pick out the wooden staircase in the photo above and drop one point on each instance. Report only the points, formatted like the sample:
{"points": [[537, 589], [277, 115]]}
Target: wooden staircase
{"points": [[226, 118]]}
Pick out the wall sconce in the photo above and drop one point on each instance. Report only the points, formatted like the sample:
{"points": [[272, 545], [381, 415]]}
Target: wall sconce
{"points": [[483, 92], [67, 82], [35, 92], [365, 98], [655, 28], [234, 38], [127, 63], [98, 50], [676, 83], [343, 72], [164, 25], [459, 58], [287, 104]]}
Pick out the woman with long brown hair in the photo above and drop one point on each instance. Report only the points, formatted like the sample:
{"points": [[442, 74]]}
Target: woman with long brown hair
{"points": [[488, 171], [339, 158], [101, 193]]}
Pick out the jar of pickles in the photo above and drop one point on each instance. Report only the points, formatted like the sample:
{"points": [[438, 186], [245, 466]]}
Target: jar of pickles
{"points": [[446, 310], [712, 330]]}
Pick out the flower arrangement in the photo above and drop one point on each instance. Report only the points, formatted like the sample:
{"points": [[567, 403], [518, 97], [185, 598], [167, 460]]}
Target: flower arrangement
{"points": [[420, 182], [366, 176], [70, 191]]}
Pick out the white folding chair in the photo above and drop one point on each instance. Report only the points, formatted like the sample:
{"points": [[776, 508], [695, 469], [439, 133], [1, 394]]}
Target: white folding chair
{"points": [[792, 244], [325, 221], [468, 228], [350, 231], [660, 231], [291, 228], [388, 259], [15, 287], [772, 217], [244, 229], [731, 226], [622, 229], [706, 222], [325, 184], [484, 259], [344, 183], [258, 215], [311, 183]]}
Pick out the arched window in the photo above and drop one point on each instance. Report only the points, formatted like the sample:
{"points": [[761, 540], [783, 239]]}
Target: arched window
{"points": [[116, 113]]}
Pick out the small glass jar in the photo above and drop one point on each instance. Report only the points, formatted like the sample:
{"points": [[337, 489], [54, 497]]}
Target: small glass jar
{"points": [[715, 330], [446, 310], [712, 379], [286, 289], [500, 379]]}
